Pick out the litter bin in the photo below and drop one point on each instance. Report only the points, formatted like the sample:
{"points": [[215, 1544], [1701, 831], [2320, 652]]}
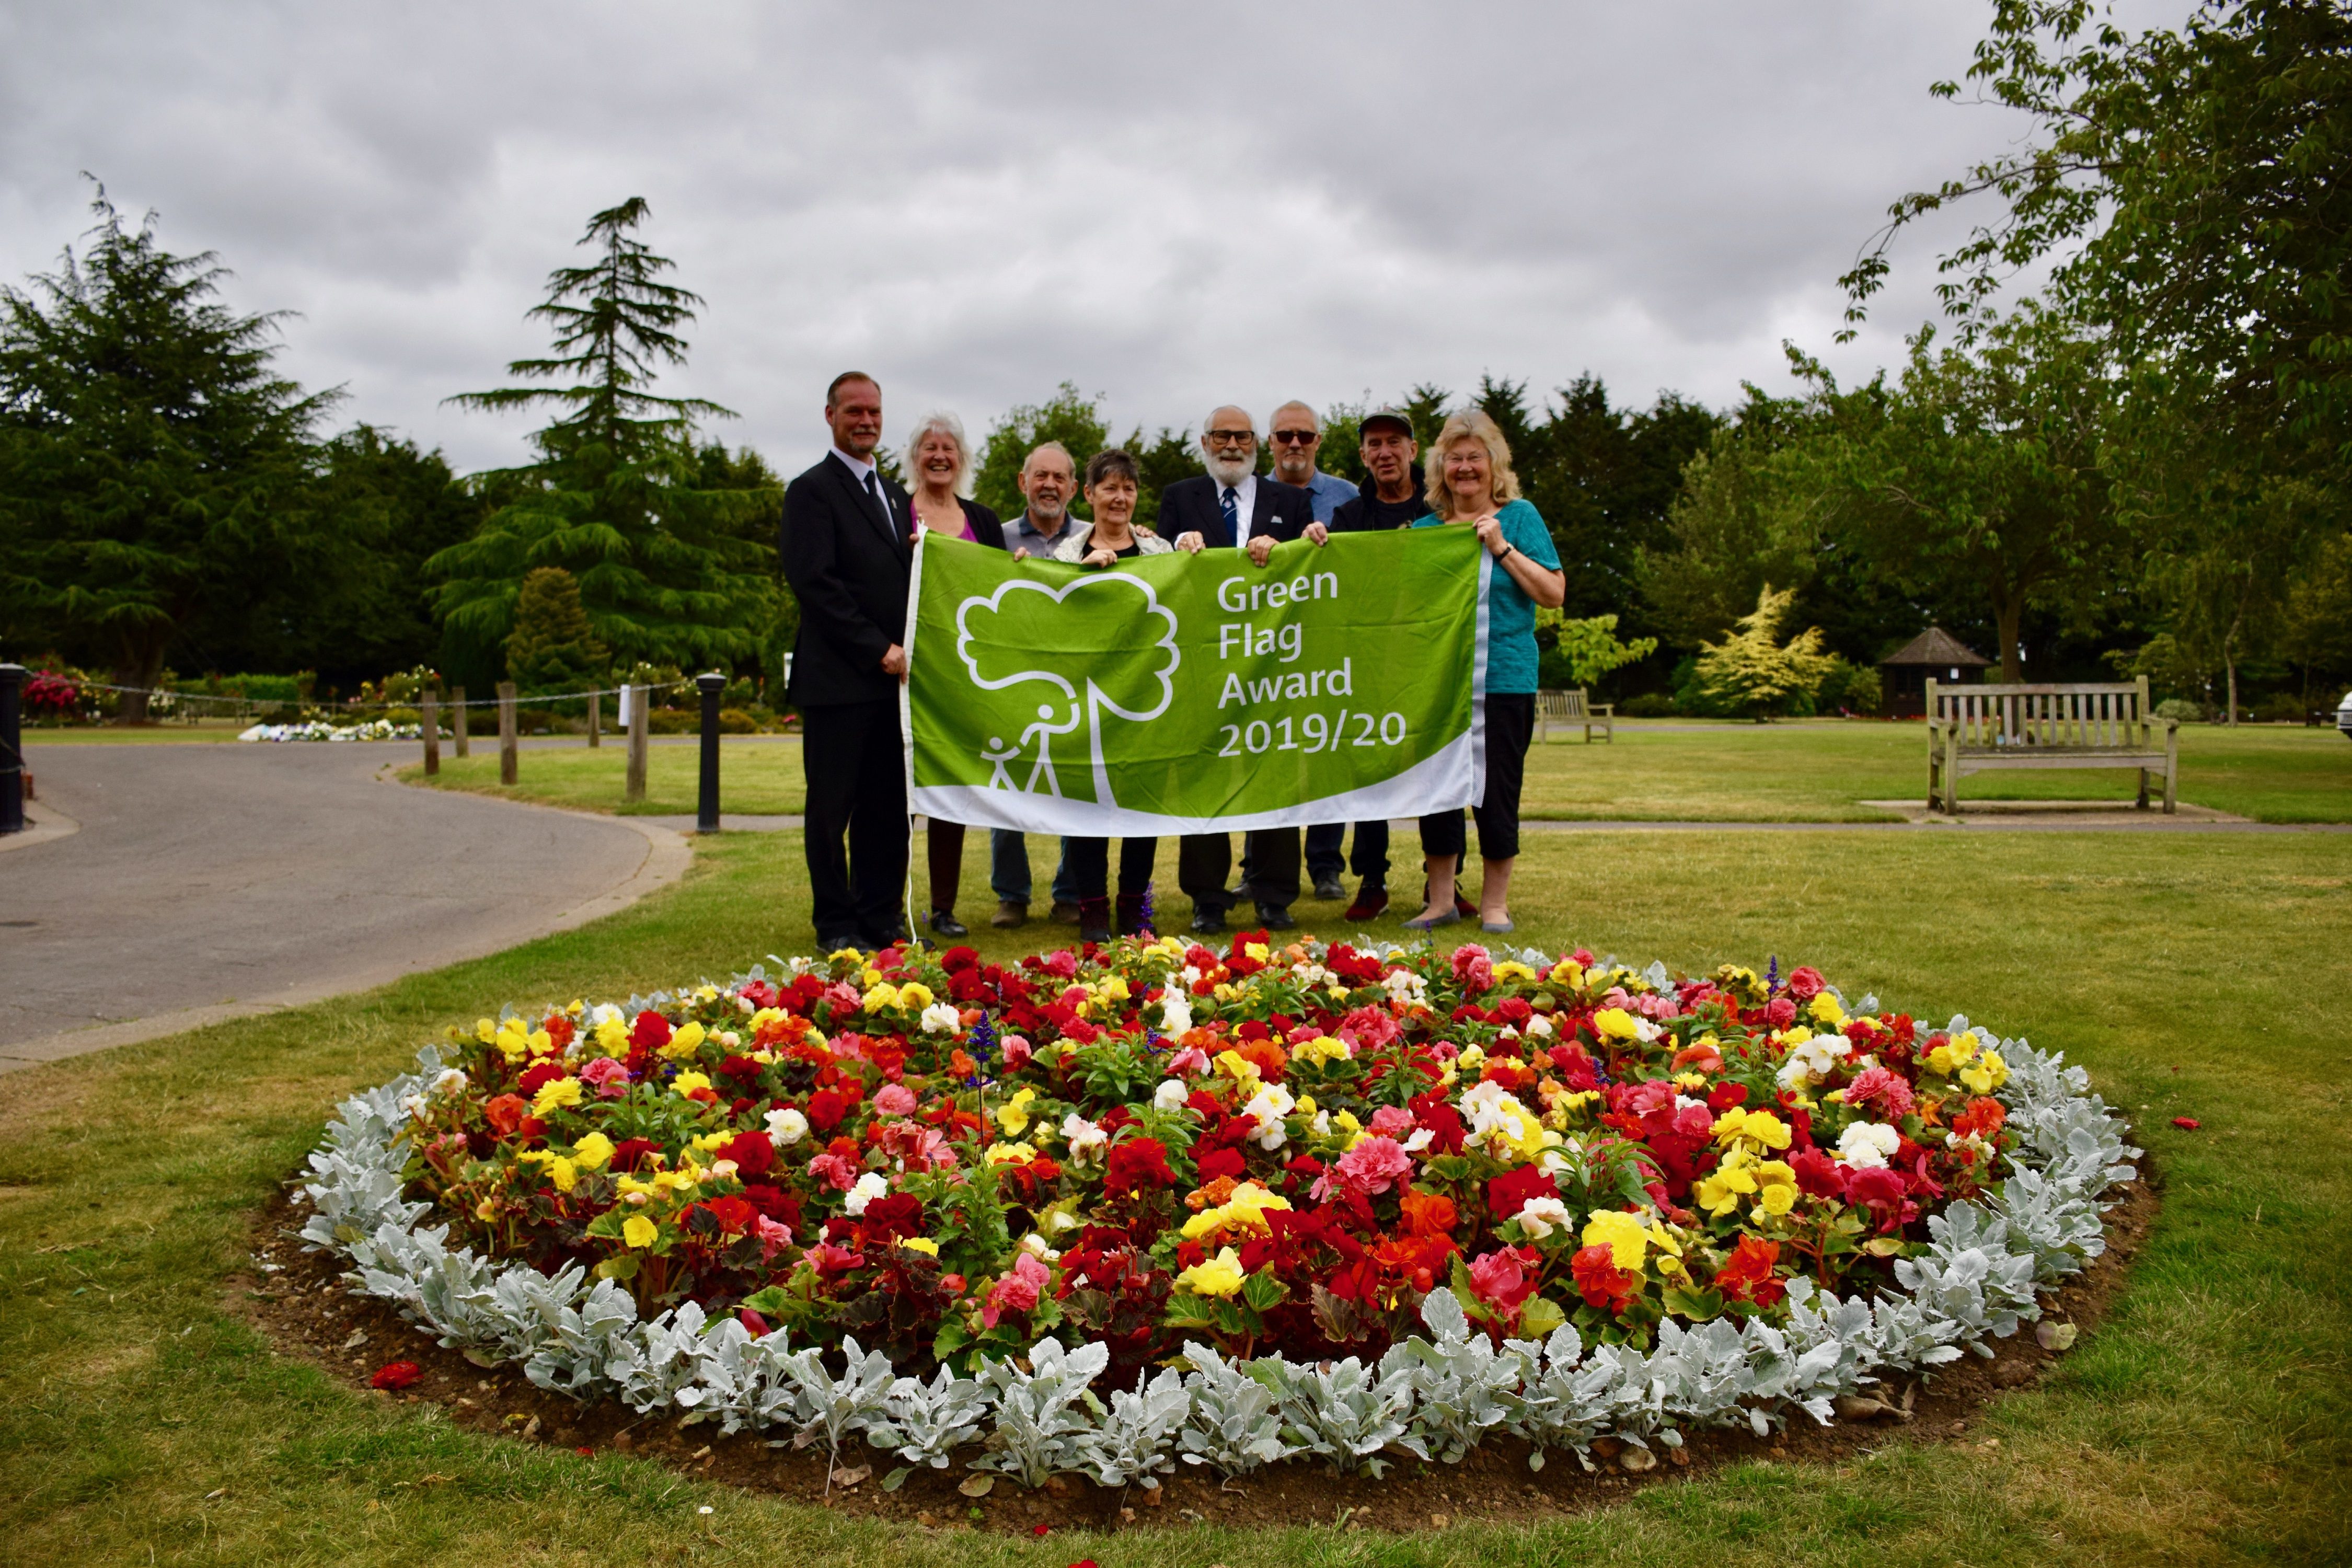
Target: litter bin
{"points": [[2343, 716]]}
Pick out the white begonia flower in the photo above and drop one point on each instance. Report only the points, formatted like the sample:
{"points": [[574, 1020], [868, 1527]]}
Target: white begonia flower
{"points": [[605, 1012], [1086, 1139], [940, 1018], [417, 1107], [724, 1167], [1403, 986], [1540, 1028], [1175, 1009], [1171, 1094], [1322, 1124], [1866, 1145], [786, 1127], [1540, 1217], [1418, 1140], [1191, 973], [870, 1187], [1810, 1061], [1037, 1247], [449, 1083], [1270, 1105]]}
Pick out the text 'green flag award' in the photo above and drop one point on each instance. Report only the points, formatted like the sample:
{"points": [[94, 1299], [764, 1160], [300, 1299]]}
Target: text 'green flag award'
{"points": [[1181, 693]]}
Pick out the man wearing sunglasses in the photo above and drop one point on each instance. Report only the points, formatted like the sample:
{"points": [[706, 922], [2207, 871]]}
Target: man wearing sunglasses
{"points": [[1233, 507], [1297, 432]]}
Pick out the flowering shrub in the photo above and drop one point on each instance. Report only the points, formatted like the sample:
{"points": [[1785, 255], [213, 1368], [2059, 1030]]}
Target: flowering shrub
{"points": [[319, 729]]}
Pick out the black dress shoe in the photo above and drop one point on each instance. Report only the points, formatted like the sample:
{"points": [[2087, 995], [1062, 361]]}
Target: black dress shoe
{"points": [[895, 937], [1206, 920], [1276, 917], [1329, 887], [944, 923], [834, 942]]}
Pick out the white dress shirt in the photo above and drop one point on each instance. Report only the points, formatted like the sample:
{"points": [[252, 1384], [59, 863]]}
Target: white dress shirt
{"points": [[1245, 504]]}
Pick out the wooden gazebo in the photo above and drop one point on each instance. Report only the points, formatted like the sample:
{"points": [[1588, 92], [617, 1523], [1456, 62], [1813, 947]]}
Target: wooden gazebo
{"points": [[1935, 654]]}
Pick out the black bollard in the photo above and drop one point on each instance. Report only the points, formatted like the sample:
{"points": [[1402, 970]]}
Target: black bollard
{"points": [[12, 754], [705, 815]]}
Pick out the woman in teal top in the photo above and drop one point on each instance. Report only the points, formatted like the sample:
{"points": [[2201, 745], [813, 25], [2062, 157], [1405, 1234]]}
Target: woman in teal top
{"points": [[1470, 484]]}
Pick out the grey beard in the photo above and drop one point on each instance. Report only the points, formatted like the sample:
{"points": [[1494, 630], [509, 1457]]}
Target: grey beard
{"points": [[1228, 470]]}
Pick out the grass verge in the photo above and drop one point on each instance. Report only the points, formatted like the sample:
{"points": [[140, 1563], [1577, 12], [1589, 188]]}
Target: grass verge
{"points": [[142, 1420], [1812, 772]]}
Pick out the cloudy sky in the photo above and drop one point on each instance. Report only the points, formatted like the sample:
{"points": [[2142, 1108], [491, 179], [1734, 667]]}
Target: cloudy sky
{"points": [[1171, 205]]}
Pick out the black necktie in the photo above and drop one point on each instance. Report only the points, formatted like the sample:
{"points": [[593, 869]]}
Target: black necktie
{"points": [[874, 489]]}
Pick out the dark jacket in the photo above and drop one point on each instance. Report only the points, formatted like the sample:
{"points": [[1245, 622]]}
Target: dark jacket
{"points": [[984, 524], [1369, 514], [848, 568], [1190, 506]]}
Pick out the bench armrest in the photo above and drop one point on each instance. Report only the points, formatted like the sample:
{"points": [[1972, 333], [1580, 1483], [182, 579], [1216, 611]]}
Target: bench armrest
{"points": [[1606, 709]]}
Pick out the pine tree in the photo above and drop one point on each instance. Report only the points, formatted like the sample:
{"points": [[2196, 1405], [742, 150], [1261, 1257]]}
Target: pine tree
{"points": [[669, 569], [1751, 669], [552, 647]]}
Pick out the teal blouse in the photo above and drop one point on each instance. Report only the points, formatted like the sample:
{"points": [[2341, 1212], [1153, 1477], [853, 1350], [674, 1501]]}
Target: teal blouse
{"points": [[1511, 657]]}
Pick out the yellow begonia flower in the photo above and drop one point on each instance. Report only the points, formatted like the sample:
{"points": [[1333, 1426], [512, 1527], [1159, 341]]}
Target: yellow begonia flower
{"points": [[1513, 969], [1013, 1114], [706, 1142], [1825, 1010], [541, 1043], [564, 1174], [687, 1082], [638, 1231], [707, 993], [763, 1018], [486, 1031], [1219, 1276], [1247, 1209], [1720, 1192], [612, 1037], [555, 1091], [1777, 1186], [1237, 1066], [923, 1244], [844, 955], [914, 996], [1321, 1049], [1689, 1081], [593, 1153], [1758, 1127], [1621, 1233], [1010, 1153], [487, 1210], [1256, 950], [1616, 1024], [1567, 973], [1988, 1073], [684, 1044], [1947, 1058], [882, 996]]}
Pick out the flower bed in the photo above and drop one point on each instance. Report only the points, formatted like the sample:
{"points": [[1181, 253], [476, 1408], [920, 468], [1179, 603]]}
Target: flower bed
{"points": [[319, 730], [1306, 1200]]}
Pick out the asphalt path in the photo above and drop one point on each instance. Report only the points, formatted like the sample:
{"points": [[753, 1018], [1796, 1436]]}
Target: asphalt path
{"points": [[173, 886]]}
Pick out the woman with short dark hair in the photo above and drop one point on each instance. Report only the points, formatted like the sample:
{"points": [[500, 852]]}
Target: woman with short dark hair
{"points": [[1114, 484]]}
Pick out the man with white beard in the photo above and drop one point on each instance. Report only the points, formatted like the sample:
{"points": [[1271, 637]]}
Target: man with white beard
{"points": [[1233, 507]]}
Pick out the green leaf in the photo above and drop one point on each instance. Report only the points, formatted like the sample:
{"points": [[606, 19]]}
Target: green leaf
{"points": [[1539, 1317]]}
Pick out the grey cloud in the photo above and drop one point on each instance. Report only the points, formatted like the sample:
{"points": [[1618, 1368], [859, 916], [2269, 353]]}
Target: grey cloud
{"points": [[1169, 206]]}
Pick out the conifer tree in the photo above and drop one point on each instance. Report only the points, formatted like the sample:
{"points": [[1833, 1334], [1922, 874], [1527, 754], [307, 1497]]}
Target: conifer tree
{"points": [[552, 647], [1751, 669], [668, 570]]}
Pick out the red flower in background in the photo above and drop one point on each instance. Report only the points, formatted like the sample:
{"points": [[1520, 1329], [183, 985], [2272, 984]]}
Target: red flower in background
{"points": [[1508, 1194], [1747, 1274], [733, 1214], [1805, 982], [651, 1032], [1982, 1119], [398, 1374], [505, 1112], [754, 1153]]}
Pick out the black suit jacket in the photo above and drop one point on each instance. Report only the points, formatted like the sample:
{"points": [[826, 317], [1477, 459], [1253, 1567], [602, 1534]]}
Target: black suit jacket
{"points": [[1190, 506], [849, 569]]}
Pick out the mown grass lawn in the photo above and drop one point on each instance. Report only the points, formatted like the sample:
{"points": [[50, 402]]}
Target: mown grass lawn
{"points": [[1810, 771], [2207, 1421]]}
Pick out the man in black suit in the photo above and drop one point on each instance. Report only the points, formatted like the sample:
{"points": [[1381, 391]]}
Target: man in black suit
{"points": [[1232, 506], [846, 551]]}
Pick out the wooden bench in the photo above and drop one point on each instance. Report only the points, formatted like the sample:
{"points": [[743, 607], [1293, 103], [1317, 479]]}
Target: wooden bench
{"points": [[1976, 729], [1569, 708]]}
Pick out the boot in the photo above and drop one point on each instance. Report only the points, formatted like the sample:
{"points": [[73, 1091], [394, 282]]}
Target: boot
{"points": [[1094, 919], [1130, 915]]}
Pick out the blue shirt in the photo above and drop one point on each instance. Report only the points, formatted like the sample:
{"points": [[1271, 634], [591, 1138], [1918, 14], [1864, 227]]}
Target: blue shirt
{"points": [[1511, 657], [1327, 493]]}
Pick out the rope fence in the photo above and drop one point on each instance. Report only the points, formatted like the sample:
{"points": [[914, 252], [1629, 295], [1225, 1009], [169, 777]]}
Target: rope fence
{"points": [[370, 706]]}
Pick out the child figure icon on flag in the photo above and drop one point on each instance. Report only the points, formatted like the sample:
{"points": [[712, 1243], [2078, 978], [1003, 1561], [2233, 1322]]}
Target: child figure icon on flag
{"points": [[1043, 732]]}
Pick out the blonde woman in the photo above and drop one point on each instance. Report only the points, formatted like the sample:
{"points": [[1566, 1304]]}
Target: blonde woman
{"points": [[1471, 485], [938, 465]]}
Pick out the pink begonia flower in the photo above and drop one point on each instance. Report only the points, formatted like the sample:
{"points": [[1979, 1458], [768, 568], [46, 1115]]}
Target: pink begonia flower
{"points": [[772, 1238], [1443, 1050], [1190, 1059], [1391, 1122], [1017, 1052], [1779, 1013], [851, 1047], [1888, 1089], [832, 1260], [1501, 1280], [1368, 1028], [1306, 1032], [844, 996], [835, 1171], [1656, 1006], [1062, 965], [611, 1078], [895, 1100], [1474, 968], [1375, 1164], [1017, 1291], [1615, 997]]}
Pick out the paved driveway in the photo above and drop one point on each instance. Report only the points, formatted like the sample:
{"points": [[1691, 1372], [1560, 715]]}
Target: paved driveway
{"points": [[207, 881]]}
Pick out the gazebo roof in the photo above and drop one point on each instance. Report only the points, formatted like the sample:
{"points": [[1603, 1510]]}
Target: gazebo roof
{"points": [[1936, 645]]}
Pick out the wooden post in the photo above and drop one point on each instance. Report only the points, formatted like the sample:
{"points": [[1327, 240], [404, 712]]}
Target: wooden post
{"points": [[596, 720], [432, 732], [457, 705], [640, 698], [506, 731]]}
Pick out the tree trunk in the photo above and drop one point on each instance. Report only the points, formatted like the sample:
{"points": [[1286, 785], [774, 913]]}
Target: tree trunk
{"points": [[2010, 614], [139, 668], [2229, 659]]}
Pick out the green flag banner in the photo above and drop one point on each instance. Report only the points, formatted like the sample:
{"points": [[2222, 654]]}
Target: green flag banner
{"points": [[1181, 693]]}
